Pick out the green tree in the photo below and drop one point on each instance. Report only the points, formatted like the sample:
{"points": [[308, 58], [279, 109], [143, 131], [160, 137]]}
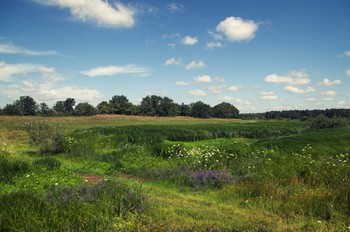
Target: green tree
{"points": [[225, 110], [10, 109], [45, 110], [201, 110], [85, 109], [59, 107], [103, 108], [68, 106], [119, 104], [185, 110], [26, 106]]}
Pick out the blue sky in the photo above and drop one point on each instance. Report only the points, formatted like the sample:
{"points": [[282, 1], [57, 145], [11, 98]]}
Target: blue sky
{"points": [[259, 55]]}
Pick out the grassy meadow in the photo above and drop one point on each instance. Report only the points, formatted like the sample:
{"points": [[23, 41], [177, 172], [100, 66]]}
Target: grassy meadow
{"points": [[133, 173]]}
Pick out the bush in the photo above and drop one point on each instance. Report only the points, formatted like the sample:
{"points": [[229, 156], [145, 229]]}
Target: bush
{"points": [[48, 137], [47, 163], [323, 122], [10, 168]]}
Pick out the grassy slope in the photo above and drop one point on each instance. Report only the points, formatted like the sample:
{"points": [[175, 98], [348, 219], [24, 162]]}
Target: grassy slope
{"points": [[183, 209]]}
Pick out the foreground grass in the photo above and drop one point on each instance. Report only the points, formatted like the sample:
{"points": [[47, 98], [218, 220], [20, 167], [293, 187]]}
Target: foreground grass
{"points": [[280, 195]]}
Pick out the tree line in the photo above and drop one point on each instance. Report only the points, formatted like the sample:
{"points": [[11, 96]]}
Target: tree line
{"points": [[299, 114], [152, 105]]}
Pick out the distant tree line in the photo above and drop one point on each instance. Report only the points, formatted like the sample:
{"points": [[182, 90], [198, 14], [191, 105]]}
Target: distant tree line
{"points": [[119, 104], [298, 114]]}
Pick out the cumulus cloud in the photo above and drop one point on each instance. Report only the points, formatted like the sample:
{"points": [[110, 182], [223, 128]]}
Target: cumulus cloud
{"points": [[189, 40], [268, 96], [234, 88], [231, 99], [7, 71], [293, 89], [347, 53], [12, 49], [237, 29], [217, 88], [197, 92], [327, 82], [173, 61], [47, 70], [182, 83], [175, 7], [348, 73], [203, 79], [195, 65], [212, 45], [293, 78], [115, 70], [96, 11], [329, 95], [220, 79]]}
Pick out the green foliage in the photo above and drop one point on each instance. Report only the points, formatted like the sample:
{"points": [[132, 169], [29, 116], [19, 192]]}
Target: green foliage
{"points": [[323, 122], [201, 110], [48, 137], [99, 207], [225, 110], [85, 109], [47, 163], [9, 167]]}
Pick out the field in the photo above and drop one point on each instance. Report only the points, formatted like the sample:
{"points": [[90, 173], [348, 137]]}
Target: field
{"points": [[133, 173]]}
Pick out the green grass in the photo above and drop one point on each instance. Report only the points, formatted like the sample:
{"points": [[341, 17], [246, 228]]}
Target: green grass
{"points": [[284, 177]]}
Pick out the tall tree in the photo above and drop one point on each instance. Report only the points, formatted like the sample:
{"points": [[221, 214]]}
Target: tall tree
{"points": [[201, 110], [225, 110], [26, 105], [68, 106], [45, 110], [85, 109], [119, 104]]}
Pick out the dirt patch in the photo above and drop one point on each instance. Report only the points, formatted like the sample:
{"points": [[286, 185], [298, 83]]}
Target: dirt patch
{"points": [[130, 177], [93, 179]]}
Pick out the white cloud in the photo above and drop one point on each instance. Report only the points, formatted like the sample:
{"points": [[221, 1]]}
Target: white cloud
{"points": [[269, 97], [347, 53], [96, 11], [203, 79], [195, 65], [293, 78], [175, 7], [173, 61], [348, 73], [293, 89], [215, 36], [212, 45], [197, 92], [188, 40], [47, 70], [329, 95], [171, 45], [9, 70], [237, 29], [12, 49], [220, 79], [115, 70], [217, 88], [171, 36], [234, 88], [341, 104], [267, 93], [327, 82], [47, 92], [182, 83], [311, 99], [231, 99]]}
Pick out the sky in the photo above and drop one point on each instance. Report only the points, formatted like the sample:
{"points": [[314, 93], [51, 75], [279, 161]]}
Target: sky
{"points": [[259, 55]]}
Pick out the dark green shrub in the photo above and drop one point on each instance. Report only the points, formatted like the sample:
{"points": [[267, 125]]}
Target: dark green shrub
{"points": [[9, 168], [48, 137], [323, 122]]}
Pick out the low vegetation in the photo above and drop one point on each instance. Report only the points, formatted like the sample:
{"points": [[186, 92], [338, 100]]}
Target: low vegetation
{"points": [[140, 174]]}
